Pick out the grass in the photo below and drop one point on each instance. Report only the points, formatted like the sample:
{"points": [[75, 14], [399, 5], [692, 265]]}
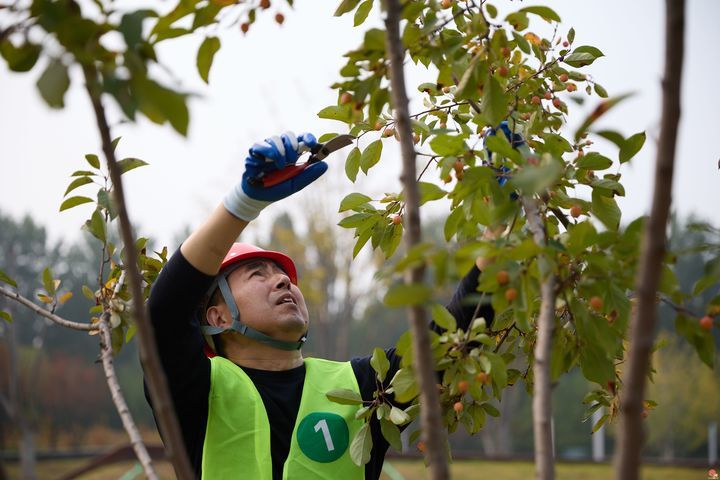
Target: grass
{"points": [[409, 469]]}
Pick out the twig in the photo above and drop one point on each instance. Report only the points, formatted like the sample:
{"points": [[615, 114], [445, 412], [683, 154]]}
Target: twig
{"points": [[38, 310]]}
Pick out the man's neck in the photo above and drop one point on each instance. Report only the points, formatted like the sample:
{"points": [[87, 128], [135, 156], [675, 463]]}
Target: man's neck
{"points": [[262, 357]]}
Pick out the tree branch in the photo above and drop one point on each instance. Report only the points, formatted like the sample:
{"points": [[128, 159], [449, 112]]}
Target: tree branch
{"points": [[156, 381], [433, 431], [120, 404], [642, 328], [542, 400], [38, 310]]}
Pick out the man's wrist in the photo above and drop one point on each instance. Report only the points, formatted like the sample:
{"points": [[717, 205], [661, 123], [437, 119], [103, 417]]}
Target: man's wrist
{"points": [[241, 206]]}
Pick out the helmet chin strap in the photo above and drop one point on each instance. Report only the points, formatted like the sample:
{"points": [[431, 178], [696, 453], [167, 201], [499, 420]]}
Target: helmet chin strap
{"points": [[245, 330]]}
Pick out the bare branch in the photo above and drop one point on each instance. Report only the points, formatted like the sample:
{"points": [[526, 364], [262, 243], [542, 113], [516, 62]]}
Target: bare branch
{"points": [[157, 384], [119, 401], [37, 309], [642, 328], [433, 431]]}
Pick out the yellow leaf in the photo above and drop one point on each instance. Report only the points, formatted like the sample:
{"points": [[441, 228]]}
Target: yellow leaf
{"points": [[64, 298], [45, 298], [532, 38]]}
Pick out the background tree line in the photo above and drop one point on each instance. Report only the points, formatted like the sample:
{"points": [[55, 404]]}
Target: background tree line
{"points": [[48, 372]]}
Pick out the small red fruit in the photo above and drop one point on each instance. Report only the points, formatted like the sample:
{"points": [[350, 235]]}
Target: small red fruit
{"points": [[644, 414], [571, 87], [446, 3], [421, 446], [244, 27], [563, 77], [556, 102], [279, 18], [511, 294], [503, 71], [596, 303], [447, 179], [505, 51], [396, 219], [345, 98], [611, 386], [535, 100], [446, 90], [416, 137], [502, 277], [548, 95], [264, 4], [566, 44], [389, 132], [463, 386], [458, 407], [706, 322], [483, 378], [576, 211], [458, 166], [378, 125]]}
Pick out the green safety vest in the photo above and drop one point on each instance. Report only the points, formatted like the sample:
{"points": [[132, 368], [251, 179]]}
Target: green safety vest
{"points": [[237, 440]]}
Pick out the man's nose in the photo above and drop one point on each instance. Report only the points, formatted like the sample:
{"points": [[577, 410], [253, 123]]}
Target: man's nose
{"points": [[282, 281]]}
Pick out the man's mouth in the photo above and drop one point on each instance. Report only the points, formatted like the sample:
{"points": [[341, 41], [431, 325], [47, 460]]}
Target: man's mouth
{"points": [[287, 298]]}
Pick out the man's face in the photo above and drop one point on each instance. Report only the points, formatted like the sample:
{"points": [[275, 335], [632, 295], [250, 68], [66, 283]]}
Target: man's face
{"points": [[268, 301]]}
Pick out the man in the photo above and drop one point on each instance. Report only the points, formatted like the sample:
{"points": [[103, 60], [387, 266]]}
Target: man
{"points": [[257, 409]]}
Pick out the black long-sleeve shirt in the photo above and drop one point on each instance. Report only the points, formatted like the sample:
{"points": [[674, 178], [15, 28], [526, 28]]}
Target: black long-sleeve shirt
{"points": [[173, 304]]}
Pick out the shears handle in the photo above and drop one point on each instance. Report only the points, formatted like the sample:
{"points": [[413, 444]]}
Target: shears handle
{"points": [[278, 176]]}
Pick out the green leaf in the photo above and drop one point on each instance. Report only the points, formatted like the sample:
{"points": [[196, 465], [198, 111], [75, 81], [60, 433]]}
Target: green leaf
{"points": [[595, 52], [491, 410], [352, 164], [352, 201], [631, 147], [127, 164], [78, 182], [601, 109], [371, 155], [430, 192], [578, 60], [533, 179], [53, 83], [362, 12], [405, 385], [401, 295], [74, 202], [8, 318], [391, 433], [96, 226], [443, 318], [89, 294], [103, 199], [494, 107], [48, 281], [546, 13], [345, 7], [498, 369], [612, 136], [500, 145], [447, 145], [580, 237], [160, 104], [206, 54], [5, 278], [93, 160], [600, 90], [606, 210], [594, 161], [344, 396], [22, 58], [452, 223], [361, 446], [336, 112], [399, 416], [380, 363]]}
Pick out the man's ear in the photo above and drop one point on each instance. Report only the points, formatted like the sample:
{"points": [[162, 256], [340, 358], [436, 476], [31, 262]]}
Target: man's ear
{"points": [[217, 316]]}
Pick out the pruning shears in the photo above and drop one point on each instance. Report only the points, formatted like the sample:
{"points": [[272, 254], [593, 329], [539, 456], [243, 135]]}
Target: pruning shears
{"points": [[317, 153]]}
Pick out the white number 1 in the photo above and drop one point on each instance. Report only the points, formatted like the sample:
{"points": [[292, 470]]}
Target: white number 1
{"points": [[322, 425]]}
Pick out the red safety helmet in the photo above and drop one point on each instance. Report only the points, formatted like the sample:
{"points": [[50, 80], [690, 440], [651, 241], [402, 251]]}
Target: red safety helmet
{"points": [[243, 251]]}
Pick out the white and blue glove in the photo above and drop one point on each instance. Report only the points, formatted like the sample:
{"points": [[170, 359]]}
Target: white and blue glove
{"points": [[249, 197]]}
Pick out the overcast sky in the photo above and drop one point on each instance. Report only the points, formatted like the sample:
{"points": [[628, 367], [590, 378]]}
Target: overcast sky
{"points": [[278, 77]]}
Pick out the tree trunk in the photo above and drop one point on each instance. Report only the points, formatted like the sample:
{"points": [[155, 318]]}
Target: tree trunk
{"points": [[642, 328], [434, 433], [154, 375], [542, 388]]}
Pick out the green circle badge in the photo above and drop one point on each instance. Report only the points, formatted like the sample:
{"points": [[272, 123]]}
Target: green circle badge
{"points": [[323, 436]]}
